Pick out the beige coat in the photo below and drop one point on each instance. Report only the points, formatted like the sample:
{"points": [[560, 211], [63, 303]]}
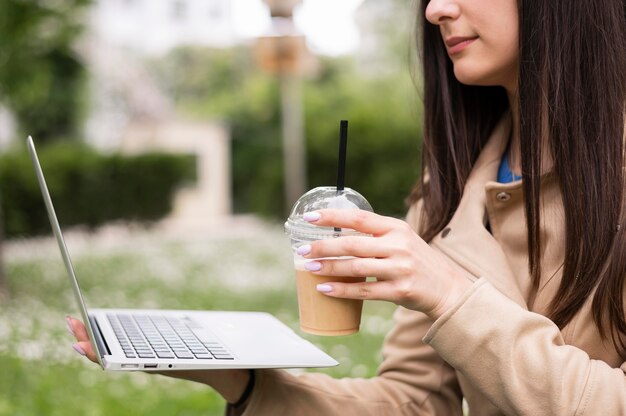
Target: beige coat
{"points": [[495, 348]]}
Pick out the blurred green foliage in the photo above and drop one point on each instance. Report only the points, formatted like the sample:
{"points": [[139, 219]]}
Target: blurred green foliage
{"points": [[384, 135], [41, 78], [88, 187]]}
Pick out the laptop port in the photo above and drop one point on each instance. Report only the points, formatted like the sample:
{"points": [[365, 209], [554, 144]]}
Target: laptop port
{"points": [[149, 366], [130, 365]]}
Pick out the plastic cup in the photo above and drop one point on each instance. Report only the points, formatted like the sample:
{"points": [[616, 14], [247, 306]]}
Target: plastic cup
{"points": [[321, 314]]}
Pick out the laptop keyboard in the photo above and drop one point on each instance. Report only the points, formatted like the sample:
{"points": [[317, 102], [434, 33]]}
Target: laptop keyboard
{"points": [[147, 336]]}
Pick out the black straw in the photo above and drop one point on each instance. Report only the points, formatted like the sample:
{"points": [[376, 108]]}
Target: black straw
{"points": [[341, 165], [343, 144]]}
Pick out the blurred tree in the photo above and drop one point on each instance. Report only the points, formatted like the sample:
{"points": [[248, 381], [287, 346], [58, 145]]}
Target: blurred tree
{"points": [[204, 81], [387, 37], [41, 78], [383, 145], [384, 113]]}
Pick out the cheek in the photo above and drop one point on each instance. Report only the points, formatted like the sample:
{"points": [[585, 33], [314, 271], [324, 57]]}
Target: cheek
{"points": [[493, 58]]}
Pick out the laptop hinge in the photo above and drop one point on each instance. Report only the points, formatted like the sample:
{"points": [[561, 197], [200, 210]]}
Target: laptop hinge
{"points": [[97, 333]]}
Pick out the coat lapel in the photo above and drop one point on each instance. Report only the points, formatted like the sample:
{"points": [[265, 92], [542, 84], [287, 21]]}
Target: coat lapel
{"points": [[466, 240]]}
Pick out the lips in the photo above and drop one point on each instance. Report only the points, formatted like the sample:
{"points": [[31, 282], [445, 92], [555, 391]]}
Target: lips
{"points": [[456, 44]]}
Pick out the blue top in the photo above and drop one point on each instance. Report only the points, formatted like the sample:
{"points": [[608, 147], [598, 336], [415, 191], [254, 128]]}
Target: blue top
{"points": [[505, 175]]}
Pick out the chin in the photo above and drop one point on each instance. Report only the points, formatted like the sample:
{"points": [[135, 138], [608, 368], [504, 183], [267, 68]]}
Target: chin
{"points": [[471, 76], [472, 72]]}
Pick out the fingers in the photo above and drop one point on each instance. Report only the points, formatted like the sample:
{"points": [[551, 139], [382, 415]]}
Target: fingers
{"points": [[366, 291], [356, 219], [345, 246], [77, 328], [366, 267], [83, 346]]}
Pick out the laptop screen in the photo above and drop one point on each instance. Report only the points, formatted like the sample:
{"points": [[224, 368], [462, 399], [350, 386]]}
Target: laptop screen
{"points": [[56, 229]]}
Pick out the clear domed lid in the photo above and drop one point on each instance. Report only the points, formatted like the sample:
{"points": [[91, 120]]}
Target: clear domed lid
{"points": [[320, 198]]}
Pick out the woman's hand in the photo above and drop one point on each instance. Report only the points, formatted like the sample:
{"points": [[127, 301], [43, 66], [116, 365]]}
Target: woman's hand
{"points": [[229, 383], [83, 346], [408, 271]]}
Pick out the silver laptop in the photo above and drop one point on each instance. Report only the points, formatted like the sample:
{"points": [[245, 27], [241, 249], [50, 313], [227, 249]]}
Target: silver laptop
{"points": [[159, 340]]}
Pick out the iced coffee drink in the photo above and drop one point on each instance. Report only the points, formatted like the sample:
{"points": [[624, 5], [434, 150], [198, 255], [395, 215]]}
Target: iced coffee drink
{"points": [[321, 314]]}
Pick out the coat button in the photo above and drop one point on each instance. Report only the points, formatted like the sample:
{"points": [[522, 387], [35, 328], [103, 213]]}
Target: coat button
{"points": [[445, 232], [503, 196]]}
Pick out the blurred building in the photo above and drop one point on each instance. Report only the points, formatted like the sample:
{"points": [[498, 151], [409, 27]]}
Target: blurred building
{"points": [[130, 112]]}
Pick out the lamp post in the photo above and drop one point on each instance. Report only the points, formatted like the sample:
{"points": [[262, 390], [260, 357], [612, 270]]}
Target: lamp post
{"points": [[283, 53]]}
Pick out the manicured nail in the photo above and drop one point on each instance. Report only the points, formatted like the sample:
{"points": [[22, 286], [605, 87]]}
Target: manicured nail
{"points": [[311, 216], [304, 250], [324, 288], [78, 349], [313, 266], [69, 326]]}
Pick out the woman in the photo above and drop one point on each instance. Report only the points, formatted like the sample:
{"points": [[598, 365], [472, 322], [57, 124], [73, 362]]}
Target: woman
{"points": [[512, 294]]}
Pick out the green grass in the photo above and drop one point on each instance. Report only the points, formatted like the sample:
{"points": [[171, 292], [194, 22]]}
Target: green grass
{"points": [[42, 375]]}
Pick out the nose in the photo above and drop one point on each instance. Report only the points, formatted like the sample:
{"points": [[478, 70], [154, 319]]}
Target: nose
{"points": [[438, 11]]}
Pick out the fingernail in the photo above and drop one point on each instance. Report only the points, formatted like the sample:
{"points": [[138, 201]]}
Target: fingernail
{"points": [[78, 349], [324, 288], [69, 327], [311, 216], [313, 266], [304, 250]]}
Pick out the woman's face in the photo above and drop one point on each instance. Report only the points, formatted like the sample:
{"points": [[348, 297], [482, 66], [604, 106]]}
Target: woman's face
{"points": [[481, 37]]}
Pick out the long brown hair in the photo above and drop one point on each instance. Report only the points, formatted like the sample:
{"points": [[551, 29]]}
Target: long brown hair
{"points": [[572, 93]]}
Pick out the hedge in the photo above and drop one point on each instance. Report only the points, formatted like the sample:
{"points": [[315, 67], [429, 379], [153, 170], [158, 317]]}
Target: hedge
{"points": [[88, 188]]}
